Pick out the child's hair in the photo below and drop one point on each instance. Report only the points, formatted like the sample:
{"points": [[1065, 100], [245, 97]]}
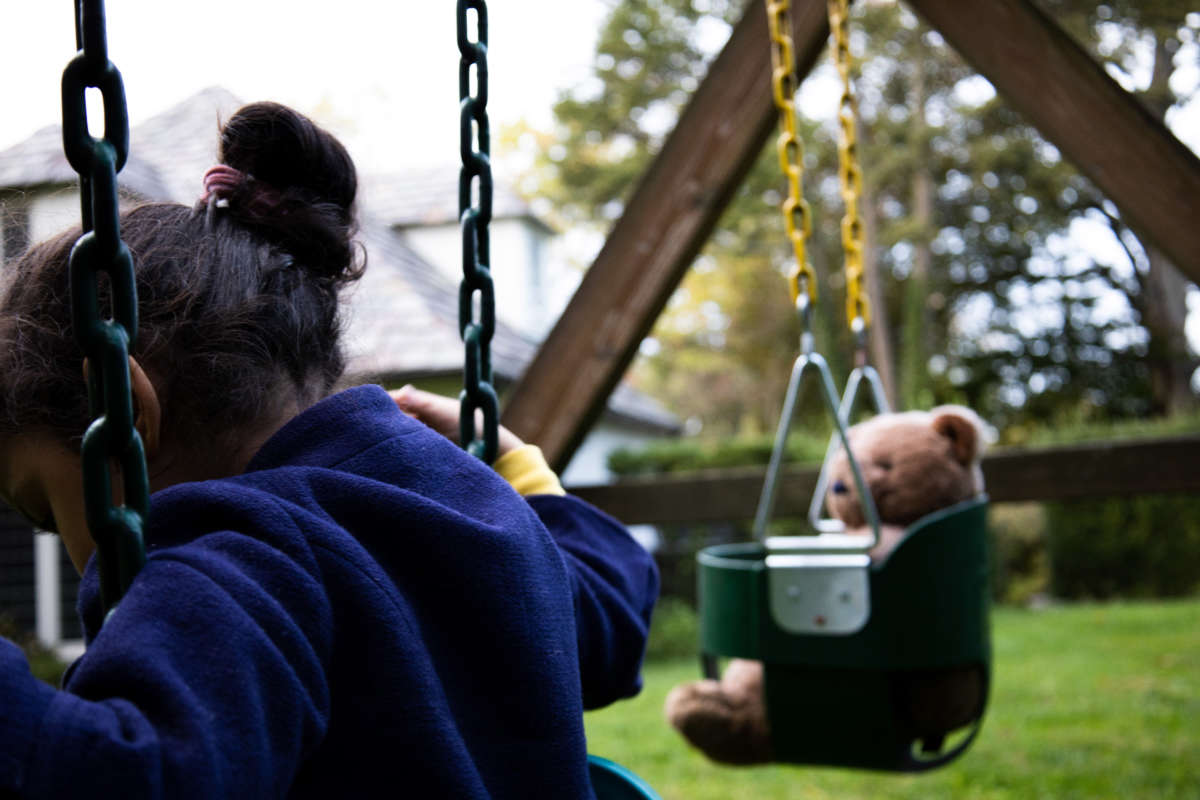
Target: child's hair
{"points": [[238, 295]]}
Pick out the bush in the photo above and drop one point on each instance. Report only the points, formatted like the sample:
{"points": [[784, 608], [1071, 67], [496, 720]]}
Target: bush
{"points": [[44, 664], [676, 554], [1020, 563], [1066, 431], [674, 631], [688, 455], [1125, 547]]}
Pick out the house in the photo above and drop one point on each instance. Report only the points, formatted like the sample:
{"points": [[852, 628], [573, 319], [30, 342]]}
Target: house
{"points": [[422, 205], [402, 317]]}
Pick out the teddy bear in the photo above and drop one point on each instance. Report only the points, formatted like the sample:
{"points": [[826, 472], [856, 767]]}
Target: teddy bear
{"points": [[913, 463]]}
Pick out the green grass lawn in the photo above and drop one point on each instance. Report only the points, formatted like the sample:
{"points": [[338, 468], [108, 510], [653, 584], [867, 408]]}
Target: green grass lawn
{"points": [[1088, 701]]}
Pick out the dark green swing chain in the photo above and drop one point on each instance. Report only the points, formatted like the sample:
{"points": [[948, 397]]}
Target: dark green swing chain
{"points": [[112, 437], [478, 394]]}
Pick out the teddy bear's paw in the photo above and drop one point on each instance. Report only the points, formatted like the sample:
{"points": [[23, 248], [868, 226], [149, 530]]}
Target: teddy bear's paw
{"points": [[728, 728]]}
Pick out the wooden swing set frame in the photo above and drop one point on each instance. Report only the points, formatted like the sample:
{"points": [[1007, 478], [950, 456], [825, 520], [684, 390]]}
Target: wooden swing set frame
{"points": [[1152, 177]]}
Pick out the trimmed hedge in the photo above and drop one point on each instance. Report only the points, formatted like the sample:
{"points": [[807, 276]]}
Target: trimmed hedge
{"points": [[1125, 547], [1020, 562], [687, 455]]}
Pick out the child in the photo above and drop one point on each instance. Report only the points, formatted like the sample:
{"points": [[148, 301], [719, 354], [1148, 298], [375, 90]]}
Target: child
{"points": [[337, 601]]}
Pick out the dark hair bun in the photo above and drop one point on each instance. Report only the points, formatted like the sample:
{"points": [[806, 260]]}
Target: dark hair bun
{"points": [[300, 189]]}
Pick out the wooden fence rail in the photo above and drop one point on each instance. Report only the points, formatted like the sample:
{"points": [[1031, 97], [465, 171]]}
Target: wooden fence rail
{"points": [[1104, 469]]}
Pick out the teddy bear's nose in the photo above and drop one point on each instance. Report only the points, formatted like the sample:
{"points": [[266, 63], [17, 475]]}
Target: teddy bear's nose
{"points": [[840, 488]]}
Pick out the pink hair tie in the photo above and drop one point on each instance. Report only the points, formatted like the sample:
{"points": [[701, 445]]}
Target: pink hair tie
{"points": [[221, 181]]}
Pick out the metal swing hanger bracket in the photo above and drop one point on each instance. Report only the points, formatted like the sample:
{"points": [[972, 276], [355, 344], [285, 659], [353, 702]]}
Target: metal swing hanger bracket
{"points": [[815, 584]]}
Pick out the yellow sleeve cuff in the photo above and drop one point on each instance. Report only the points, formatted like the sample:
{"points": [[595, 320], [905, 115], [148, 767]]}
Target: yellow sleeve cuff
{"points": [[526, 470]]}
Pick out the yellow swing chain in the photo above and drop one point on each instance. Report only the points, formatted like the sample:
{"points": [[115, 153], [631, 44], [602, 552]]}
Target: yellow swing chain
{"points": [[858, 310], [797, 218]]}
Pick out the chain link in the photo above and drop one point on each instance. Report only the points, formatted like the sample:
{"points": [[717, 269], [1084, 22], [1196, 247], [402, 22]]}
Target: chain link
{"points": [[112, 437], [478, 395], [797, 218], [858, 310]]}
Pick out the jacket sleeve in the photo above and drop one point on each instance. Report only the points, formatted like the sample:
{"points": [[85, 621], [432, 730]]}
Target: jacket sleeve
{"points": [[207, 681], [614, 583]]}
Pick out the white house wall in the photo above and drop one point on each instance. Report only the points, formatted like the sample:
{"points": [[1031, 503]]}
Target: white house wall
{"points": [[517, 265], [589, 465], [50, 213]]}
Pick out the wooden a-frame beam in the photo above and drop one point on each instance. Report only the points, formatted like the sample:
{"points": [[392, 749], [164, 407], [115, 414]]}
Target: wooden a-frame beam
{"points": [[666, 222], [1099, 127], [1131, 156]]}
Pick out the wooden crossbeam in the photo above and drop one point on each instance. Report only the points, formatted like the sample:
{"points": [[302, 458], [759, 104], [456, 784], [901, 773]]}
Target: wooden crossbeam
{"points": [[1076, 472], [1099, 127], [667, 220]]}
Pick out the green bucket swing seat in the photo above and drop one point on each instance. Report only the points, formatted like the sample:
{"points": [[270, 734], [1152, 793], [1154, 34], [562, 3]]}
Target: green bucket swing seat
{"points": [[847, 699]]}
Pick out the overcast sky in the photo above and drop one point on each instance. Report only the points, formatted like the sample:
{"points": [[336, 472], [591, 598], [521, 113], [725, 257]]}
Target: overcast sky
{"points": [[382, 75]]}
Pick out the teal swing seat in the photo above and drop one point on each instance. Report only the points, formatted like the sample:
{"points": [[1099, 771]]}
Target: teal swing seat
{"points": [[611, 781], [843, 698]]}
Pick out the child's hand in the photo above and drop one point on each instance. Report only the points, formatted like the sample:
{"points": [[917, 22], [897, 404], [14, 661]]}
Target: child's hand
{"points": [[441, 414]]}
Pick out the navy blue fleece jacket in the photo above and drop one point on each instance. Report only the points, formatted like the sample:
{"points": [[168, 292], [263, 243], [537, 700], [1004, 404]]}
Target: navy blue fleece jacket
{"points": [[366, 609]]}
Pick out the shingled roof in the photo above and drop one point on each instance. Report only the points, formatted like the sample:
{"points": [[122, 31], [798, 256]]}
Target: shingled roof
{"points": [[429, 196], [39, 161], [402, 316]]}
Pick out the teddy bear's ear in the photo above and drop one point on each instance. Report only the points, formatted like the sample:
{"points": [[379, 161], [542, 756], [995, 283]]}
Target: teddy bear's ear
{"points": [[962, 433]]}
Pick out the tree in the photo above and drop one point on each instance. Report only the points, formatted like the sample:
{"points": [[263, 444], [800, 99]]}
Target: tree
{"points": [[975, 207], [972, 218], [648, 60], [1140, 42]]}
